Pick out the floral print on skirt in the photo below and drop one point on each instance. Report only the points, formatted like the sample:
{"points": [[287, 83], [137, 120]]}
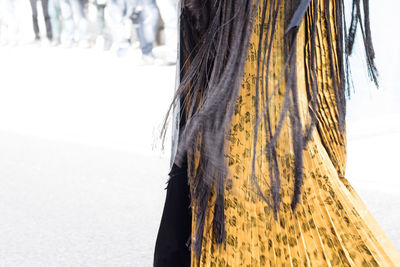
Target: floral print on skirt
{"points": [[331, 226]]}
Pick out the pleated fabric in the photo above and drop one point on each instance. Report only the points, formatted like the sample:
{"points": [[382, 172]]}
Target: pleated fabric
{"points": [[331, 226]]}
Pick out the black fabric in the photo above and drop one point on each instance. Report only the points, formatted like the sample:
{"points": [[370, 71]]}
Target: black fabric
{"points": [[171, 246]]}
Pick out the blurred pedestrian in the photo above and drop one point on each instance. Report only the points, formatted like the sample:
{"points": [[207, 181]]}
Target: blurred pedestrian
{"points": [[55, 19], [103, 37], [120, 12], [144, 16], [75, 11], [8, 23], [169, 14], [46, 16], [146, 32]]}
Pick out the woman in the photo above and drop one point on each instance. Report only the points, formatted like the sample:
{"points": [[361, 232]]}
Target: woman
{"points": [[262, 139]]}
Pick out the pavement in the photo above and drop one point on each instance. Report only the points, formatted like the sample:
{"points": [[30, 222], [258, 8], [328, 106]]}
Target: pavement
{"points": [[65, 204], [82, 172], [81, 164]]}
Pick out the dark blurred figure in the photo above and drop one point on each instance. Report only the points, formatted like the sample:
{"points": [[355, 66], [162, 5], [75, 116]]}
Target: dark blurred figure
{"points": [[75, 11], [46, 16]]}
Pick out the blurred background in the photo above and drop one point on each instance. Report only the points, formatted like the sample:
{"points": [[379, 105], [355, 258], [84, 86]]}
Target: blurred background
{"points": [[84, 88]]}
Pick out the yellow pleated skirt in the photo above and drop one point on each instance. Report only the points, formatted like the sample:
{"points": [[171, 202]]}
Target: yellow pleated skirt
{"points": [[331, 226]]}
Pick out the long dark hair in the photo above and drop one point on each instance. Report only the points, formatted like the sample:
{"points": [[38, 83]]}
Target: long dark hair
{"points": [[215, 36]]}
